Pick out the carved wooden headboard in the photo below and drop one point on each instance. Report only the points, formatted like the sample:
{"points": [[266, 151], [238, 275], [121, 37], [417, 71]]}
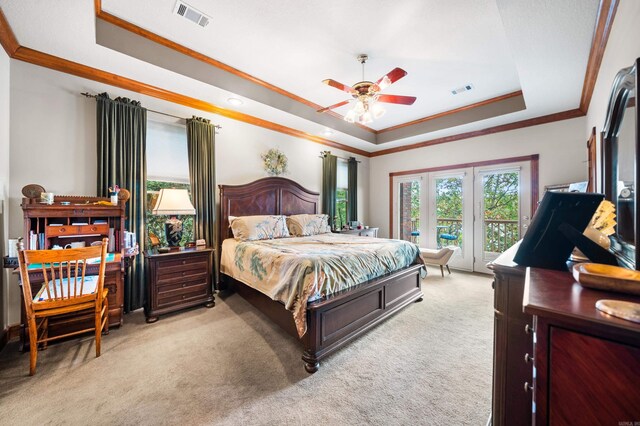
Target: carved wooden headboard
{"points": [[272, 195]]}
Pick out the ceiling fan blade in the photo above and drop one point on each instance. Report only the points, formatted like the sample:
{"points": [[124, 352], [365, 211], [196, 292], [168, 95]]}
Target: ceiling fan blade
{"points": [[334, 106], [397, 99], [391, 77], [339, 86]]}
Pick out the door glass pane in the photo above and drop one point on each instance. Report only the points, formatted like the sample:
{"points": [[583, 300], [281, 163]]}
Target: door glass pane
{"points": [[501, 209], [409, 211], [449, 211]]}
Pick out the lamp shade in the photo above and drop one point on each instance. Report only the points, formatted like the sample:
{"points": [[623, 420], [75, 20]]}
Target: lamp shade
{"points": [[173, 202]]}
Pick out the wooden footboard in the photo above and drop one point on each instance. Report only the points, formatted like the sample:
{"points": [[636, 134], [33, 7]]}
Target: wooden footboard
{"points": [[334, 321]]}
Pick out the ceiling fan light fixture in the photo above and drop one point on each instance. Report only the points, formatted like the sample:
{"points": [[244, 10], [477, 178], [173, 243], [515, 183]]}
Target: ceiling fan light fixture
{"points": [[365, 118], [377, 110], [367, 95], [350, 117]]}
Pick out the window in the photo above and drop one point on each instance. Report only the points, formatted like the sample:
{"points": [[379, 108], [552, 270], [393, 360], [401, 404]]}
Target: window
{"points": [[167, 167], [342, 191]]}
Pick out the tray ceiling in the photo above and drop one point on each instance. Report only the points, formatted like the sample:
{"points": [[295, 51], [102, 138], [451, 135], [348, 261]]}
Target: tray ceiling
{"points": [[499, 46]]}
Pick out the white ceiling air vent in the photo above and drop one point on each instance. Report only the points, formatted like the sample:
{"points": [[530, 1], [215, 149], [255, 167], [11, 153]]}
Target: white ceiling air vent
{"points": [[461, 89], [191, 13]]}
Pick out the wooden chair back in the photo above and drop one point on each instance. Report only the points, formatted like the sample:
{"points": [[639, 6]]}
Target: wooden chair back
{"points": [[64, 274]]}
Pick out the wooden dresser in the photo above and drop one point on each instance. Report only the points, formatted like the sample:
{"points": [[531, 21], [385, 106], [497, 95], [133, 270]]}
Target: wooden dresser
{"points": [[177, 280], [512, 339], [587, 363]]}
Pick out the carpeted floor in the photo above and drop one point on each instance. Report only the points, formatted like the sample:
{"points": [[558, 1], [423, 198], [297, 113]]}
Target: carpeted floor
{"points": [[429, 364]]}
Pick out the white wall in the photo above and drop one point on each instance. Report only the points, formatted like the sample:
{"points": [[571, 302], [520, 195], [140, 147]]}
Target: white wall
{"points": [[4, 176], [561, 146], [623, 47], [53, 137]]}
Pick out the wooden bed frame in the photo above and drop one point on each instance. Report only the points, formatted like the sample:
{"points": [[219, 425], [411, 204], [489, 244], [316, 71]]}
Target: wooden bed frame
{"points": [[334, 320]]}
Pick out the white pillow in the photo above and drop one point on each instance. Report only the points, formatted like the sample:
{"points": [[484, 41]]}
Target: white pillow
{"points": [[250, 228], [302, 225]]}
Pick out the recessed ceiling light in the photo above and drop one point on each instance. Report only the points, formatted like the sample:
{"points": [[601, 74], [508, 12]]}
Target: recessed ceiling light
{"points": [[235, 101], [327, 132]]}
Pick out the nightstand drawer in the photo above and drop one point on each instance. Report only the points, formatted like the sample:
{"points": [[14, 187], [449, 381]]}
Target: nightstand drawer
{"points": [[193, 280], [180, 276], [182, 295], [176, 268]]}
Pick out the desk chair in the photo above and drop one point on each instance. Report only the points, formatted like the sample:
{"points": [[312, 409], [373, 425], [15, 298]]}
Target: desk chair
{"points": [[65, 289]]}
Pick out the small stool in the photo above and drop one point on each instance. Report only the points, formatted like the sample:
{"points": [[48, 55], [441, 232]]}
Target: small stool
{"points": [[437, 257]]}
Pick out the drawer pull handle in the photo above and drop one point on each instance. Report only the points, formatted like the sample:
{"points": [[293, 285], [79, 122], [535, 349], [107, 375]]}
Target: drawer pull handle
{"points": [[184, 262], [528, 329], [528, 358], [63, 230], [184, 285], [184, 297], [184, 273], [527, 387]]}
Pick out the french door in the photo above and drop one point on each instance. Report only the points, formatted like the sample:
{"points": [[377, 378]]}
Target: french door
{"points": [[477, 211], [502, 210]]}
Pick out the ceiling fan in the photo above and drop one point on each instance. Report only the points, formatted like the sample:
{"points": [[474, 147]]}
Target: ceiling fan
{"points": [[367, 95]]}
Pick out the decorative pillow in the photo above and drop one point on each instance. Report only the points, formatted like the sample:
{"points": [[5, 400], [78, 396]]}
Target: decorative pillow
{"points": [[302, 225], [249, 228]]}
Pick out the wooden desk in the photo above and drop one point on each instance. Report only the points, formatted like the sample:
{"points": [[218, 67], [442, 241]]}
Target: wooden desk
{"points": [[587, 363]]}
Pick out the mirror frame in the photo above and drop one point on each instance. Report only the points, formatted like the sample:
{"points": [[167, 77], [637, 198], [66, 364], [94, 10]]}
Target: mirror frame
{"points": [[623, 85]]}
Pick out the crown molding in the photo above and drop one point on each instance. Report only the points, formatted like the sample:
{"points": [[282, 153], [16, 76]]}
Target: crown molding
{"points": [[559, 116], [7, 38], [604, 22], [453, 111], [63, 65]]}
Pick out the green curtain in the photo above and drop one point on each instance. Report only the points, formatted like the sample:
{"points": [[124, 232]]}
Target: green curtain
{"points": [[122, 138], [202, 175], [352, 194], [329, 184]]}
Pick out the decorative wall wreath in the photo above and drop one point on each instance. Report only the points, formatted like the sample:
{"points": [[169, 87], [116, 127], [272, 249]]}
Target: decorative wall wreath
{"points": [[275, 162]]}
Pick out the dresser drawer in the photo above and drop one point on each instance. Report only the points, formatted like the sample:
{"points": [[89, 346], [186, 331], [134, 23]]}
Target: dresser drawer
{"points": [[182, 295]]}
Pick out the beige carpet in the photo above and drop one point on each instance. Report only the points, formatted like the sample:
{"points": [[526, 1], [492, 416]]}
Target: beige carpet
{"points": [[429, 364]]}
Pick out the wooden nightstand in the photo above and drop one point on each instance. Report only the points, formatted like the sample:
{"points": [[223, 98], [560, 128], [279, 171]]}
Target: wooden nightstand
{"points": [[177, 280], [371, 232]]}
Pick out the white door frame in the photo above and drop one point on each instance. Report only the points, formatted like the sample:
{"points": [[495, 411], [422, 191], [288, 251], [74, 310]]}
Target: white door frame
{"points": [[397, 180], [462, 257], [481, 258]]}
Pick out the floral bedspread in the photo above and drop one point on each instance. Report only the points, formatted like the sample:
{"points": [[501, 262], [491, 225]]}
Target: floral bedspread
{"points": [[298, 270]]}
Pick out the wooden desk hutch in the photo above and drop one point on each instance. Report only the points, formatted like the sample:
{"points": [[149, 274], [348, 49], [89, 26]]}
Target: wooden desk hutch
{"points": [[79, 220]]}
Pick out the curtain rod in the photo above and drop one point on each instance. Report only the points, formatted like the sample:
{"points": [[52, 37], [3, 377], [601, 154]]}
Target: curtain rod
{"points": [[89, 95], [342, 158]]}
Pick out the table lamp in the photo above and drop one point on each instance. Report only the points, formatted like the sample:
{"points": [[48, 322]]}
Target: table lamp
{"points": [[173, 202]]}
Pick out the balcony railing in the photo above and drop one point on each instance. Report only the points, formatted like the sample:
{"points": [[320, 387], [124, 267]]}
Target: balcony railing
{"points": [[499, 235]]}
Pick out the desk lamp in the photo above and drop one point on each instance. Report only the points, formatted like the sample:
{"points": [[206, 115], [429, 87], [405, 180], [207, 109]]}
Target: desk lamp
{"points": [[173, 202]]}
